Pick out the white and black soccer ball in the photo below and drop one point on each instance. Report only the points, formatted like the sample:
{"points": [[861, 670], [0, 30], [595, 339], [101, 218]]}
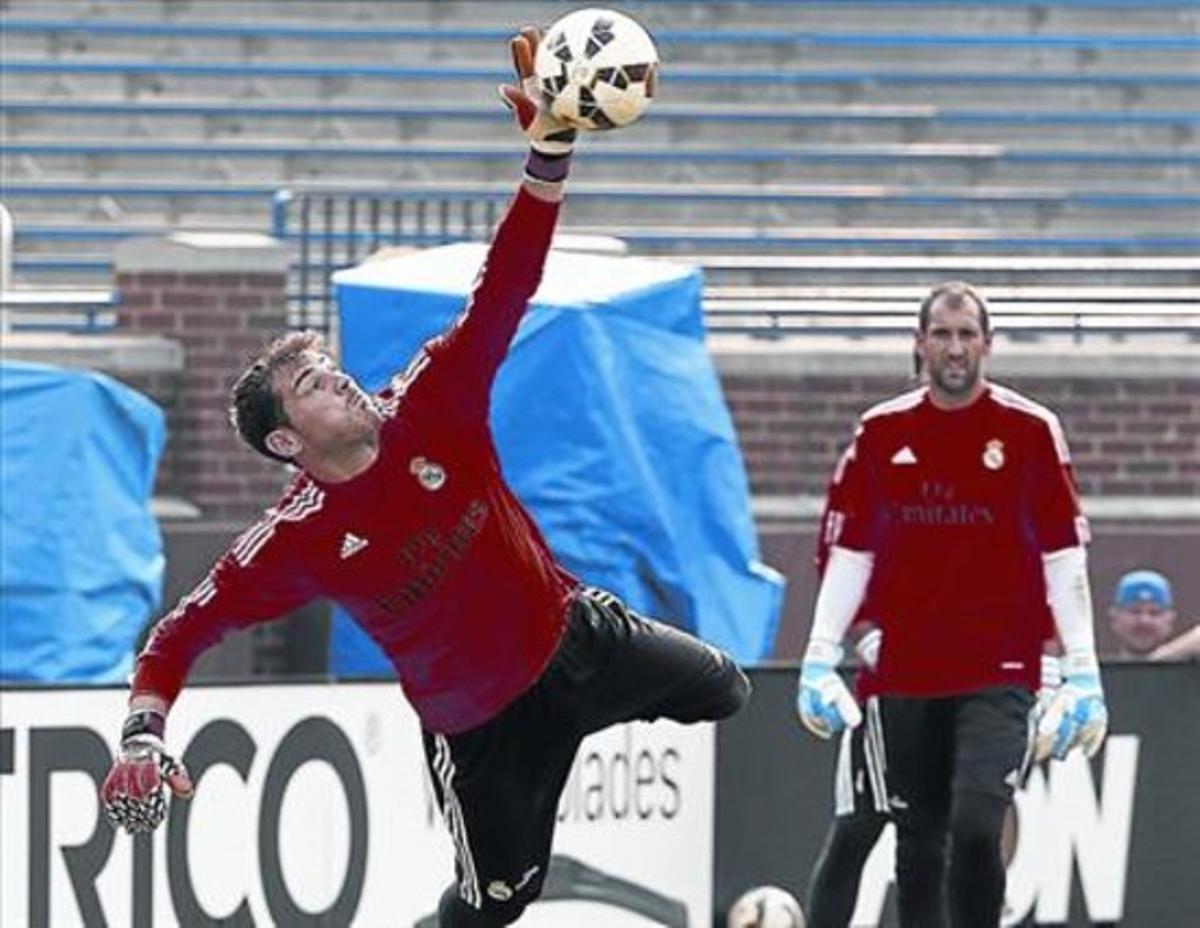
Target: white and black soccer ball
{"points": [[596, 69], [765, 907]]}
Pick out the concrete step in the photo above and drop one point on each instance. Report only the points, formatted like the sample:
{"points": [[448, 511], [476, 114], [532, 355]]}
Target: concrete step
{"points": [[723, 268], [985, 270], [830, 205], [795, 47], [34, 241], [200, 121], [608, 159], [967, 16], [981, 85]]}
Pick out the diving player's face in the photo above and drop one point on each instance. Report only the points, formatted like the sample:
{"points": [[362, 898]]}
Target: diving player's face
{"points": [[323, 405], [953, 347]]}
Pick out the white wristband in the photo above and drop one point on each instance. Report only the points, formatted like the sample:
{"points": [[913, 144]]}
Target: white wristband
{"points": [[1078, 663], [822, 651]]}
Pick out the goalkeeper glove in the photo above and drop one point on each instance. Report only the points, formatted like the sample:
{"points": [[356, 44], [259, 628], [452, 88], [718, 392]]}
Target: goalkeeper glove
{"points": [[824, 704], [550, 139], [1075, 715], [134, 792]]}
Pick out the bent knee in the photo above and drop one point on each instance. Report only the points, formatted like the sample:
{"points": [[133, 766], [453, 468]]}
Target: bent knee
{"points": [[505, 913], [491, 911], [736, 690]]}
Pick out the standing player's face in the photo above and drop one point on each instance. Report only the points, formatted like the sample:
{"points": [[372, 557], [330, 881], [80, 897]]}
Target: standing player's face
{"points": [[953, 347]]}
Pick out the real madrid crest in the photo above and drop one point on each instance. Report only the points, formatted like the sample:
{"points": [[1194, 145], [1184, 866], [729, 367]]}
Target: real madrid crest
{"points": [[993, 454], [431, 475]]}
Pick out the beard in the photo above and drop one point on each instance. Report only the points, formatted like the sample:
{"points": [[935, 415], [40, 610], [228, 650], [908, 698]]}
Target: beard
{"points": [[955, 381]]}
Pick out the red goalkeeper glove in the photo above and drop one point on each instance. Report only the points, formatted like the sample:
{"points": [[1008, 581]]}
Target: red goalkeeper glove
{"points": [[550, 139], [134, 792]]}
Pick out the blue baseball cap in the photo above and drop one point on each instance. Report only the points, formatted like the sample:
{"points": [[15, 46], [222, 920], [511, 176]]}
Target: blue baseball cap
{"points": [[1143, 586]]}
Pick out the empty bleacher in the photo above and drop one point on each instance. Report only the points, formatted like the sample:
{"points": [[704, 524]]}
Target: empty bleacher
{"points": [[784, 129], [823, 162]]}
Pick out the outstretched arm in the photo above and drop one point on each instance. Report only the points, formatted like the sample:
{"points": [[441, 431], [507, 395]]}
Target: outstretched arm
{"points": [[469, 354]]}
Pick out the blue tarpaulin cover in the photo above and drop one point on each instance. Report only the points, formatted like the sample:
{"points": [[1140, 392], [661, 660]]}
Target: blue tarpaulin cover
{"points": [[611, 428], [81, 559]]}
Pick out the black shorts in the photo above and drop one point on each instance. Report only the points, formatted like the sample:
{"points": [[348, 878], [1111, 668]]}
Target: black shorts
{"points": [[498, 785], [933, 748]]}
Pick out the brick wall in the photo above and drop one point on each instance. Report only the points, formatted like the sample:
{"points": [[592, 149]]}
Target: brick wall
{"points": [[221, 299], [1132, 433], [1131, 412]]}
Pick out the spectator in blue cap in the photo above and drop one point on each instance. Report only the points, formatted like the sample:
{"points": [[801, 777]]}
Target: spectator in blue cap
{"points": [[1142, 615]]}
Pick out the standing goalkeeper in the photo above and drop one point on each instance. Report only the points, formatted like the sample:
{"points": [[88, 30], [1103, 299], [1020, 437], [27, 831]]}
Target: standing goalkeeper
{"points": [[961, 517]]}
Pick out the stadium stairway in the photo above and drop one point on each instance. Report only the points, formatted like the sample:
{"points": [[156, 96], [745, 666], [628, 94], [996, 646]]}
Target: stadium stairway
{"points": [[867, 127]]}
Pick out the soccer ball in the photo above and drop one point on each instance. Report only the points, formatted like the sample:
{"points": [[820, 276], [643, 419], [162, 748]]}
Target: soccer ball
{"points": [[596, 69], [765, 907]]}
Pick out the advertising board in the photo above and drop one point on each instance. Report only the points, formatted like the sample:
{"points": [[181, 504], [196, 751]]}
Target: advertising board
{"points": [[313, 801]]}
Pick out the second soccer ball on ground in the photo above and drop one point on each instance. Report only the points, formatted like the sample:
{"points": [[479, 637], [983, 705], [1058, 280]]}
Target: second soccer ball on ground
{"points": [[765, 907]]}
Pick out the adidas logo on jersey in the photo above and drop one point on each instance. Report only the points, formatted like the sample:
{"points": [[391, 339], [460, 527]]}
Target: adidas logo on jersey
{"points": [[904, 456], [351, 545]]}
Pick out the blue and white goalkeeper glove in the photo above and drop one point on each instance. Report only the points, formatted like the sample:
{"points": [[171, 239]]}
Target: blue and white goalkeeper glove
{"points": [[1075, 715], [824, 704]]}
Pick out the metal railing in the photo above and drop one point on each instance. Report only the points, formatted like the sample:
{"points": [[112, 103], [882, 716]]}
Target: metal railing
{"points": [[1015, 320], [328, 231], [666, 36], [39, 309]]}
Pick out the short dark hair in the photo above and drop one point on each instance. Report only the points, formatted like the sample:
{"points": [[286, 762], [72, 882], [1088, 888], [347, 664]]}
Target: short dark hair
{"points": [[957, 293], [256, 410]]}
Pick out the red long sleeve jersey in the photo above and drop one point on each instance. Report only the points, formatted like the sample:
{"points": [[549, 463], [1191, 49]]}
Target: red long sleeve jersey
{"points": [[428, 548], [958, 507]]}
